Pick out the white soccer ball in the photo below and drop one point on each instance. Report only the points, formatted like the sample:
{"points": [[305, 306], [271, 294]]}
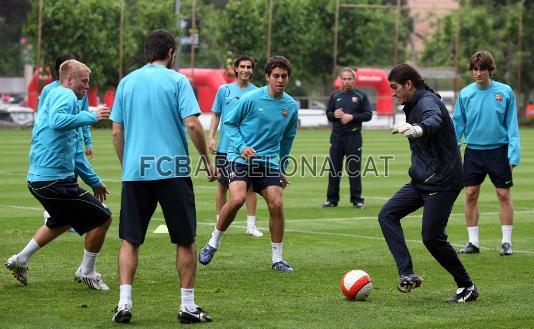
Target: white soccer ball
{"points": [[356, 284]]}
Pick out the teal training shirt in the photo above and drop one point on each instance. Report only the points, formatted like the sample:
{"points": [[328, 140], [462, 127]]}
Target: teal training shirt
{"points": [[55, 139], [264, 123], [83, 105], [487, 119], [151, 104], [227, 95]]}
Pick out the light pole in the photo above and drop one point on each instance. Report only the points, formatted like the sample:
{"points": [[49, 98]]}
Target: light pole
{"points": [[269, 28]]}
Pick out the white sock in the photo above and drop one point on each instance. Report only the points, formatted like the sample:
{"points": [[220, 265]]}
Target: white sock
{"points": [[277, 251], [24, 256], [216, 237], [507, 233], [188, 298], [473, 235], [251, 222], [88, 263], [125, 296]]}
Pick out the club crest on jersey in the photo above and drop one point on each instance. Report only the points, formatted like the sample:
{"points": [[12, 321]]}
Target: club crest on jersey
{"points": [[285, 113], [498, 98], [354, 99]]}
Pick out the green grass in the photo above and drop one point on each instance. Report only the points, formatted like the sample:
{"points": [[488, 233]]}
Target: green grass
{"points": [[239, 289]]}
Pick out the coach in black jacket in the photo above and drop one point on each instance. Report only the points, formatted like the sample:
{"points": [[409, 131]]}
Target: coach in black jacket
{"points": [[347, 109], [436, 181]]}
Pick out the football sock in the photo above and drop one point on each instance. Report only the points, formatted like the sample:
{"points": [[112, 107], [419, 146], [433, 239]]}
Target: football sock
{"points": [[27, 252], [251, 222], [88, 263], [216, 237], [277, 251], [125, 296], [188, 298], [473, 235], [507, 233]]}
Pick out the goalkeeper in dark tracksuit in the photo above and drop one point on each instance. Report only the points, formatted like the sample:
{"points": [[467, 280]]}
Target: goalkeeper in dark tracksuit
{"points": [[347, 109], [436, 180]]}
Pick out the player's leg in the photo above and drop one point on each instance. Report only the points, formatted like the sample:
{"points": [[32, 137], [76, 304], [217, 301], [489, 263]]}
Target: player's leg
{"points": [[222, 186], [18, 263], [336, 169], [353, 149], [474, 175], [251, 203], [138, 203], [186, 263], [268, 183], [437, 209], [500, 173], [238, 184], [404, 202], [177, 202]]}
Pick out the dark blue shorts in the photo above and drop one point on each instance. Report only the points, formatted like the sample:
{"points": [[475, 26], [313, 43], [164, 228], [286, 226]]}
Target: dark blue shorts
{"points": [[256, 175], [70, 205], [221, 162], [177, 200], [494, 162]]}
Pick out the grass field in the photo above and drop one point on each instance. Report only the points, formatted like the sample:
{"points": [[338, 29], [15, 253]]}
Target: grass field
{"points": [[240, 290]]}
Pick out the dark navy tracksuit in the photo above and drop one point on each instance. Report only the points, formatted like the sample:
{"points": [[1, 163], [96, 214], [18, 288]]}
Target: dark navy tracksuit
{"points": [[436, 181], [346, 141]]}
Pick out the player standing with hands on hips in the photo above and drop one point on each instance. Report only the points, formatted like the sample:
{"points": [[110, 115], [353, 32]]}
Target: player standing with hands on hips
{"points": [[436, 181]]}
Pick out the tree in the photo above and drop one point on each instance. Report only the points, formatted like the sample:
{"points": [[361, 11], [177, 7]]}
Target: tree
{"points": [[12, 14], [89, 29], [493, 27]]}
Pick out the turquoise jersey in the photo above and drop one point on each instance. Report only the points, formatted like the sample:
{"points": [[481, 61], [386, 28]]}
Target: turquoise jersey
{"points": [[487, 119], [264, 123], [151, 103], [83, 105], [227, 95], [55, 142]]}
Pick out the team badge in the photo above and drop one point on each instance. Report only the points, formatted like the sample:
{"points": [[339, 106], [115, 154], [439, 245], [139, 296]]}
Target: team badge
{"points": [[285, 113], [354, 99], [498, 98]]}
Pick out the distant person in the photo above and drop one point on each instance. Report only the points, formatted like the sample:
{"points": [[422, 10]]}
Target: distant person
{"points": [[436, 181], [227, 95], [347, 109], [486, 116], [153, 107], [55, 160], [261, 126]]}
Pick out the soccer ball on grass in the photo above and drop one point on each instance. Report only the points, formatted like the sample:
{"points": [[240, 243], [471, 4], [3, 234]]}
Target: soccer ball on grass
{"points": [[356, 285]]}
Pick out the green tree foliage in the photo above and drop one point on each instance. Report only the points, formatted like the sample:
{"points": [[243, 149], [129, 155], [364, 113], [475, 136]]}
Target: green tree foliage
{"points": [[364, 42], [493, 27], [11, 18], [89, 29]]}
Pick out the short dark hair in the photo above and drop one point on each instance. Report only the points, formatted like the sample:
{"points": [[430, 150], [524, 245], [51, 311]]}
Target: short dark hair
{"points": [[59, 60], [482, 60], [244, 58], [157, 45], [277, 61]]}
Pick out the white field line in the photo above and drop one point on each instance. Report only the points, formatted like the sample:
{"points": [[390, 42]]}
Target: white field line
{"points": [[347, 235]]}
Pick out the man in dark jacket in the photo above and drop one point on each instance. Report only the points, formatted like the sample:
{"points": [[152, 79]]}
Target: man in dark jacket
{"points": [[436, 181], [347, 109]]}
